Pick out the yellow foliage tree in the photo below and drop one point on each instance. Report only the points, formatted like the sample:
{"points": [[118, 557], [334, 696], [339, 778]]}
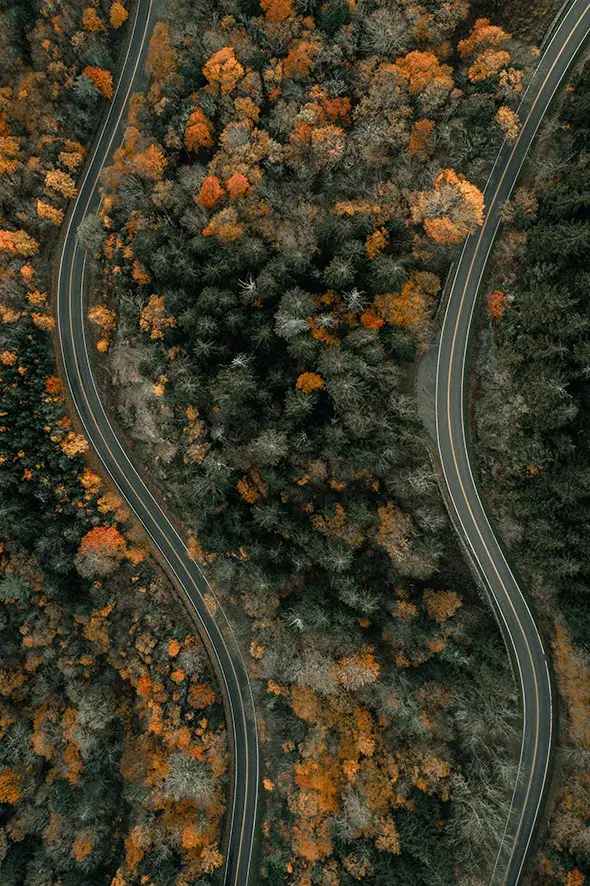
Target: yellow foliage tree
{"points": [[57, 180], [51, 213]]}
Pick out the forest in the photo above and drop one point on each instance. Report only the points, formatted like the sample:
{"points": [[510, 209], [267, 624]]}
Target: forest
{"points": [[532, 425], [291, 188], [113, 743], [293, 184]]}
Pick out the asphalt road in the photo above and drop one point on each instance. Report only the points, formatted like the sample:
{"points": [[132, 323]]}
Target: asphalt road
{"points": [[512, 609], [241, 816]]}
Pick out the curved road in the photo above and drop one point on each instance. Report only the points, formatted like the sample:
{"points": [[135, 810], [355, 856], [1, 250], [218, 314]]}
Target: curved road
{"points": [[512, 609], [230, 667]]}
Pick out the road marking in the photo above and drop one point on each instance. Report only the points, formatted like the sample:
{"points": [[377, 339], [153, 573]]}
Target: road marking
{"points": [[451, 437], [158, 508]]}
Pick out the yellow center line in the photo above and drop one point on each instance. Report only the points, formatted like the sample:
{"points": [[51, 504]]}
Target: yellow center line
{"points": [[100, 434]]}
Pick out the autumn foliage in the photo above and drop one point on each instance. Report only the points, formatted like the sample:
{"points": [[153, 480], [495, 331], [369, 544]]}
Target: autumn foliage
{"points": [[103, 80]]}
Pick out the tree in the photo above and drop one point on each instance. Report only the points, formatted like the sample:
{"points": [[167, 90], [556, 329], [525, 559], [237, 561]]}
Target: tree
{"points": [[64, 184], [102, 79], [198, 133], [509, 121], [310, 381], [211, 191], [91, 233], [423, 72], [162, 60], [101, 549], [451, 210], [223, 71], [118, 14]]}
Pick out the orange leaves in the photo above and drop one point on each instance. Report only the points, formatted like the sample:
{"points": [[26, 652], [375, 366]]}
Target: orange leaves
{"points": [[394, 529], [575, 878], [496, 305], [484, 43], [154, 319], [198, 132], [173, 648], [421, 70], [310, 381], [408, 307], [251, 486], [451, 210], [211, 191], [140, 274], [483, 35], [104, 540], [51, 213], [421, 137], [18, 243], [237, 185], [489, 63], [81, 848], [376, 243], [102, 79], [191, 838], [57, 180], [441, 605], [201, 695], [10, 791], [53, 385], [223, 71], [277, 10], [74, 444], [8, 358], [105, 319], [573, 675], [509, 122], [9, 154], [162, 60], [144, 686], [358, 670], [136, 845], [91, 20], [118, 14], [299, 61], [371, 320], [388, 839], [224, 226], [151, 162]]}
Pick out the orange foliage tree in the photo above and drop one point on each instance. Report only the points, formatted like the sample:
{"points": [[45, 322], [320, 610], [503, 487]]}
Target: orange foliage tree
{"points": [[223, 71], [101, 549], [118, 14], [422, 70], [102, 79], [211, 191], [198, 132], [310, 381], [162, 60], [496, 305], [451, 210]]}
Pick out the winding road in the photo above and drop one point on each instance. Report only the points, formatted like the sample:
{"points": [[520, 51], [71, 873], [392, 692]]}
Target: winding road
{"points": [[214, 625], [469, 514]]}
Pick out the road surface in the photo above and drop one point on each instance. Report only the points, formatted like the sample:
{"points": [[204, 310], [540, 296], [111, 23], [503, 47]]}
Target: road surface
{"points": [[512, 609], [241, 816]]}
